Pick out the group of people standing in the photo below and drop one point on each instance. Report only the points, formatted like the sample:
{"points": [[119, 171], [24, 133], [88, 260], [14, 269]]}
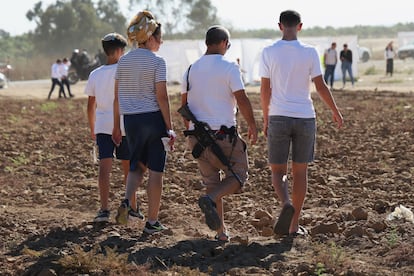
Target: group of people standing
{"points": [[128, 106], [59, 75], [330, 59]]}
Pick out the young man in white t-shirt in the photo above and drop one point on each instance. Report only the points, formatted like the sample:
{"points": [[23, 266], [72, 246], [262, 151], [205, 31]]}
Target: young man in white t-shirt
{"points": [[215, 88], [100, 89], [330, 59], [286, 69]]}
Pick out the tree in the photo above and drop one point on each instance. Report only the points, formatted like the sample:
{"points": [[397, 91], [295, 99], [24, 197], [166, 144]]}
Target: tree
{"points": [[203, 15], [190, 16], [66, 25]]}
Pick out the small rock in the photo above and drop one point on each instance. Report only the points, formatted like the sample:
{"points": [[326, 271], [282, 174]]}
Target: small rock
{"points": [[261, 214], [356, 231], [325, 229], [378, 226], [360, 213]]}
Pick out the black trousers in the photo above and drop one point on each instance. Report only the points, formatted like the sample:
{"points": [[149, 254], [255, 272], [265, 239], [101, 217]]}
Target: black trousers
{"points": [[58, 83]]}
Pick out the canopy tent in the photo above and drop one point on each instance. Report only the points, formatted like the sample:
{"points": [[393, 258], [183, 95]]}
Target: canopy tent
{"points": [[179, 54]]}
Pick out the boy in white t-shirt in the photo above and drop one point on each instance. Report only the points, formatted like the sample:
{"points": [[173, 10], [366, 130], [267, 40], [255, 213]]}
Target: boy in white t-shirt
{"points": [[100, 89], [286, 69]]}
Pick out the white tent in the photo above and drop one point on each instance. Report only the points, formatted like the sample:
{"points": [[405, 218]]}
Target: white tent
{"points": [[180, 54], [405, 38]]}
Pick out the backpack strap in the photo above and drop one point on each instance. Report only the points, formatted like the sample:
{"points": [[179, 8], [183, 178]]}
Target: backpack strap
{"points": [[188, 78]]}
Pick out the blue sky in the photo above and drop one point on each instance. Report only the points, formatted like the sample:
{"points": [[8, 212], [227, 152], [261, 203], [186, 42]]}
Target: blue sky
{"points": [[256, 14]]}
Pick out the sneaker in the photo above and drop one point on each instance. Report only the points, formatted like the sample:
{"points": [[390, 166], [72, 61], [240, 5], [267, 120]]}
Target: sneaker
{"points": [[122, 215], [208, 207], [102, 216], [135, 215], [156, 227]]}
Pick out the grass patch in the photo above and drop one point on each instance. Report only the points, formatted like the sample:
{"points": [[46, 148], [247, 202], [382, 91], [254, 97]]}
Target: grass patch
{"points": [[48, 106], [329, 258], [371, 71], [97, 261]]}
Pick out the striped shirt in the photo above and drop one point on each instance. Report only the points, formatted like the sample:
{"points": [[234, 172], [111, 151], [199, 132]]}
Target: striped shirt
{"points": [[138, 72]]}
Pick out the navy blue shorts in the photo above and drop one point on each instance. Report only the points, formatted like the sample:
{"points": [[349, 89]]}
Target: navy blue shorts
{"points": [[144, 132], [285, 133], [106, 147]]}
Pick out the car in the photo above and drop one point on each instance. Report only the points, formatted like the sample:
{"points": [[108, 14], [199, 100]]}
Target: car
{"points": [[364, 54], [3, 80], [406, 51]]}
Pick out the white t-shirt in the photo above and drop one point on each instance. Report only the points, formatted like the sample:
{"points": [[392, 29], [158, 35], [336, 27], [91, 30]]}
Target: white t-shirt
{"points": [[290, 66], [331, 56], [101, 85], [212, 82], [55, 72]]}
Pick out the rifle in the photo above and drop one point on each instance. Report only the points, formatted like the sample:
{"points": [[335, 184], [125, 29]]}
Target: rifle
{"points": [[206, 138]]}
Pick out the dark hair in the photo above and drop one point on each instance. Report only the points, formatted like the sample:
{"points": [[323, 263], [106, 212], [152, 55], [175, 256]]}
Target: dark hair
{"points": [[216, 34], [113, 41], [157, 30], [289, 18]]}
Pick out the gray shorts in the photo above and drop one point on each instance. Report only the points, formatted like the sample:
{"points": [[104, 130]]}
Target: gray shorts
{"points": [[295, 134]]}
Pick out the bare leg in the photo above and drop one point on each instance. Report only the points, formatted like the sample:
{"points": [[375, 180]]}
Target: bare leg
{"points": [[300, 185], [227, 187], [154, 194], [125, 169], [105, 166], [134, 180], [281, 189]]}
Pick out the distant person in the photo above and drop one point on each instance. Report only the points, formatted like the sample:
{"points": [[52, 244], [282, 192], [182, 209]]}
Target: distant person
{"points": [[141, 96], [389, 57], [242, 71], [346, 59], [56, 79], [100, 89], [64, 71], [215, 90], [289, 116], [330, 60]]}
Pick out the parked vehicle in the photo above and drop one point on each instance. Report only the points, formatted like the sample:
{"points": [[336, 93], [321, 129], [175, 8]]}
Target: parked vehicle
{"points": [[81, 66], [364, 54], [406, 51], [3, 80]]}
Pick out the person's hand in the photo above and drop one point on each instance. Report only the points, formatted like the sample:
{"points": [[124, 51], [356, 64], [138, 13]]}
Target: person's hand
{"points": [[337, 117], [117, 136], [252, 134], [265, 127], [172, 135]]}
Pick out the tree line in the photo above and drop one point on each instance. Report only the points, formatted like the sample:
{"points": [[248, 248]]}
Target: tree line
{"points": [[69, 24]]}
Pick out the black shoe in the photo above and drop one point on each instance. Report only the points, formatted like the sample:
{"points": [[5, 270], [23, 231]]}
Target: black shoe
{"points": [[209, 209], [102, 216], [135, 214], [156, 227]]}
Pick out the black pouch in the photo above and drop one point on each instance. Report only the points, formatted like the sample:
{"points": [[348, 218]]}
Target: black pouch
{"points": [[197, 150]]}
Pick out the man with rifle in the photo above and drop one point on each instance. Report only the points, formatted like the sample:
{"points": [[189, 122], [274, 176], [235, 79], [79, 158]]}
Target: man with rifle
{"points": [[211, 92]]}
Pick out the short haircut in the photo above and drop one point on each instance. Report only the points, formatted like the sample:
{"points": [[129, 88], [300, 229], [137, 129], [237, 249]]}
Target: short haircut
{"points": [[289, 18], [216, 34], [113, 41]]}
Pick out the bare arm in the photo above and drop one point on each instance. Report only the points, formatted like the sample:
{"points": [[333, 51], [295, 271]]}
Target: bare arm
{"points": [[183, 102], [326, 96], [163, 102], [92, 115], [265, 93], [247, 111], [116, 132]]}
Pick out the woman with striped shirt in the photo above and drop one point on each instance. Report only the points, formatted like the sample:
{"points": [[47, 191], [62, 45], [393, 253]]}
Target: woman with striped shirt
{"points": [[141, 96]]}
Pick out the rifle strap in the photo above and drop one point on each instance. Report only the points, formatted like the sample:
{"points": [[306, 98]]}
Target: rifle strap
{"points": [[188, 78]]}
